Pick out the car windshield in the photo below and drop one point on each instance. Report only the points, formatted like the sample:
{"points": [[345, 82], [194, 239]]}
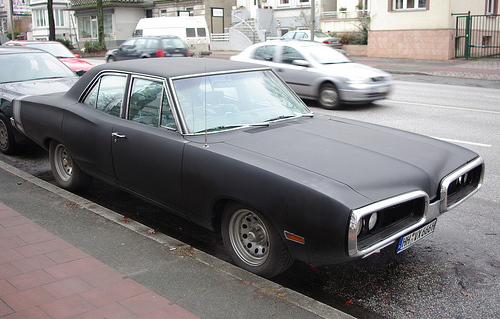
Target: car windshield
{"points": [[32, 66], [56, 49], [225, 101], [326, 55]]}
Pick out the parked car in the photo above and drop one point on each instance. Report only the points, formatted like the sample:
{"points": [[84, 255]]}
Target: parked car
{"points": [[316, 71], [229, 146], [334, 42], [27, 71], [148, 47], [58, 50]]}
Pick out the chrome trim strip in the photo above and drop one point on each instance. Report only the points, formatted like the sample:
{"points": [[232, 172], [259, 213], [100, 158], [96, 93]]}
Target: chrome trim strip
{"points": [[357, 214], [445, 183]]}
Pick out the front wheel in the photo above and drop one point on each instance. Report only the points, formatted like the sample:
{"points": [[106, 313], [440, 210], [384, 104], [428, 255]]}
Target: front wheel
{"points": [[253, 242], [110, 59], [66, 172], [7, 142], [329, 97]]}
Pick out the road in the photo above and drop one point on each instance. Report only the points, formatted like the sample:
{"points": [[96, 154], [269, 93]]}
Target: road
{"points": [[451, 274]]}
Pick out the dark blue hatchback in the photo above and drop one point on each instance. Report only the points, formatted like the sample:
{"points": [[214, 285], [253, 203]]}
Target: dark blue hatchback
{"points": [[149, 47]]}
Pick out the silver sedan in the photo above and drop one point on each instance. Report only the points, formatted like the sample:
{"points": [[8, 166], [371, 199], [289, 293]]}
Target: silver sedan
{"points": [[319, 72]]}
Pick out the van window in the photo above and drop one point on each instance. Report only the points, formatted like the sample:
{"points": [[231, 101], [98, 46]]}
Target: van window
{"points": [[190, 33], [201, 32]]}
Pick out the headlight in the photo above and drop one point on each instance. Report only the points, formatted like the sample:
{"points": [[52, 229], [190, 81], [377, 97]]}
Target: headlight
{"points": [[372, 221], [357, 80], [359, 227]]}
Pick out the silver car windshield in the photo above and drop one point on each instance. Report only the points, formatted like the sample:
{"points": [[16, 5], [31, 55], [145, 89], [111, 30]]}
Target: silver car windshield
{"points": [[227, 101], [325, 55]]}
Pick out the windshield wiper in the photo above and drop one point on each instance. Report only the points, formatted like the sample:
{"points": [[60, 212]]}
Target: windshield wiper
{"points": [[230, 126]]}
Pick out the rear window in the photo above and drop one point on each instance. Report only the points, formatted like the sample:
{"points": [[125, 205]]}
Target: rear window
{"points": [[190, 32], [201, 32]]}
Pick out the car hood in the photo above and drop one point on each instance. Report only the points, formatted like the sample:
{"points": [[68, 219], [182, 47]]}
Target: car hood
{"points": [[9, 91], [375, 161], [76, 64], [350, 70]]}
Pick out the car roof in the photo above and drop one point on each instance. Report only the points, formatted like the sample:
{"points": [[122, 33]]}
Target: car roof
{"points": [[174, 67], [20, 42], [166, 68], [19, 49]]}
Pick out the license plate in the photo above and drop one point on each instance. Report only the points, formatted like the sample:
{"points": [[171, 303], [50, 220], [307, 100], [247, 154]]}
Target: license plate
{"points": [[410, 239]]}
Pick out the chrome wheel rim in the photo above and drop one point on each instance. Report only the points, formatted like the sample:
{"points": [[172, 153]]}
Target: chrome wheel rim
{"points": [[63, 163], [329, 97], [4, 135], [249, 237]]}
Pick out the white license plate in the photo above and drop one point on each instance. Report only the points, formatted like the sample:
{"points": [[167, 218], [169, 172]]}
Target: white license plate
{"points": [[410, 239]]}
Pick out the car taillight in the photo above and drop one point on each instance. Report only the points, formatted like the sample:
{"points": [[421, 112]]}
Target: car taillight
{"points": [[159, 53], [325, 41], [340, 41], [188, 53]]}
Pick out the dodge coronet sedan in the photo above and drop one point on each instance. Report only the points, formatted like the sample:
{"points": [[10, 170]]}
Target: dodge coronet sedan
{"points": [[229, 146]]}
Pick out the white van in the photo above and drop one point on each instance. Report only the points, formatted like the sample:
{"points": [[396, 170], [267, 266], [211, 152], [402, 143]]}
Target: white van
{"points": [[192, 30]]}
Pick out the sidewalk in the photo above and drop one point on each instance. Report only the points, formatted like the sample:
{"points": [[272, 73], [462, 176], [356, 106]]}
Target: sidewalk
{"points": [[62, 256]]}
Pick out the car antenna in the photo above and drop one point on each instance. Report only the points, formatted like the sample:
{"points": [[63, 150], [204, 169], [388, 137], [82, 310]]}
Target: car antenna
{"points": [[205, 104]]}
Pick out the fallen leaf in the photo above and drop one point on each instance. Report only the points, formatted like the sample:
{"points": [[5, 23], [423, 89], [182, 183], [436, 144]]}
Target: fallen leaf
{"points": [[348, 302], [151, 231], [125, 219], [387, 298], [466, 294], [280, 294]]}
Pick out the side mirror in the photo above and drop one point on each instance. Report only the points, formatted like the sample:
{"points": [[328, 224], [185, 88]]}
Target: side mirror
{"points": [[80, 72]]}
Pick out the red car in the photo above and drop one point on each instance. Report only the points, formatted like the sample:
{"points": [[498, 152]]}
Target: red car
{"points": [[58, 50]]}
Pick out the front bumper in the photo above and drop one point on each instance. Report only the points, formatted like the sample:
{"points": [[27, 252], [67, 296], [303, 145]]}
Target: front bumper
{"points": [[454, 189]]}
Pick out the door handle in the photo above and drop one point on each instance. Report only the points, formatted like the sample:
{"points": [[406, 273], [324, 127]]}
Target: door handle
{"points": [[117, 135]]}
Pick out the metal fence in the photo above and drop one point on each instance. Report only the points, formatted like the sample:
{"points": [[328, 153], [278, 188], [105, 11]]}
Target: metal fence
{"points": [[477, 36]]}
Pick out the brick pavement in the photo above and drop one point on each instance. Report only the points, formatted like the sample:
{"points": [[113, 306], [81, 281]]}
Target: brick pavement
{"points": [[42, 276]]}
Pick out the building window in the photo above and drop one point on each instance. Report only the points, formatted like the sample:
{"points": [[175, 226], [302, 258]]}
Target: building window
{"points": [[409, 4], [163, 13], [87, 27], [284, 1], [40, 20], [59, 17], [490, 6]]}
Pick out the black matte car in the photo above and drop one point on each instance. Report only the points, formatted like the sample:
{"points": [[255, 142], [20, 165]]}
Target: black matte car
{"points": [[229, 146], [27, 71], [149, 47]]}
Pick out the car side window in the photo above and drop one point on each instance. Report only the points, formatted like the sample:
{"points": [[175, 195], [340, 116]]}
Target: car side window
{"points": [[152, 44], [265, 53], [107, 94], [301, 35], [290, 54], [145, 101], [140, 44], [167, 118], [129, 44], [289, 35]]}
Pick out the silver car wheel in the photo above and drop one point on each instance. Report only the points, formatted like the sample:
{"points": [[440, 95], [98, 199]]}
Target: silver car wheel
{"points": [[63, 163], [329, 96], [249, 237]]}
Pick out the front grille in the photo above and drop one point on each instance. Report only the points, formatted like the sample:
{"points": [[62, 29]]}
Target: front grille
{"points": [[462, 183], [392, 220]]}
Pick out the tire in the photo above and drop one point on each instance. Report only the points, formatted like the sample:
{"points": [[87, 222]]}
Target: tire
{"points": [[66, 172], [110, 59], [328, 97], [7, 141], [253, 242]]}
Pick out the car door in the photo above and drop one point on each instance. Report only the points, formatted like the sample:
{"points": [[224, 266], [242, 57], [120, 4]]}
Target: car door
{"points": [[146, 148], [127, 50], [299, 77], [88, 125]]}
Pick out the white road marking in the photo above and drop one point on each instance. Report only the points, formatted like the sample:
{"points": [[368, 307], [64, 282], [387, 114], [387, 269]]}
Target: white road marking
{"points": [[446, 107]]}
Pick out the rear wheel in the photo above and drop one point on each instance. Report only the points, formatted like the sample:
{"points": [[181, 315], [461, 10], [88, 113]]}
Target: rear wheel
{"points": [[66, 172], [329, 96], [7, 142], [253, 242], [110, 59]]}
